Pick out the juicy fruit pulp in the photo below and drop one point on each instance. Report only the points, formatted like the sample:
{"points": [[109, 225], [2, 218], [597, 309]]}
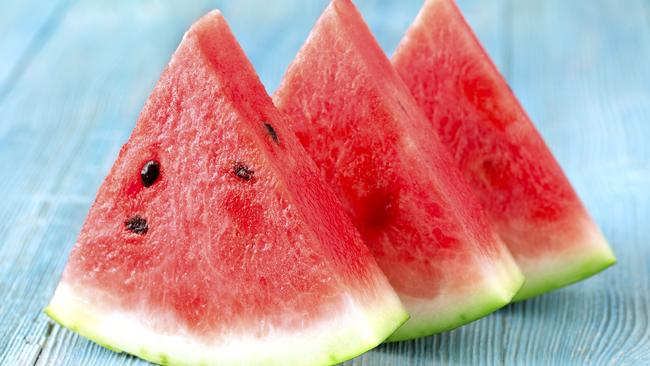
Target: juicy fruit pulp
{"points": [[359, 123], [213, 240], [532, 204]]}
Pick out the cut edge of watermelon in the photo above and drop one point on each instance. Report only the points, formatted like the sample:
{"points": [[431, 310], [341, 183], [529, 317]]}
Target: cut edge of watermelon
{"points": [[589, 256], [349, 334], [451, 311]]}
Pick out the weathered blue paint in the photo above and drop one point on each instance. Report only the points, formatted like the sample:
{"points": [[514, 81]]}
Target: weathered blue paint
{"points": [[74, 75]]}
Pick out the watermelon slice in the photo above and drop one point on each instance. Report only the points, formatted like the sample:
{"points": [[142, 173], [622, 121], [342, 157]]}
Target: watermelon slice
{"points": [[476, 115], [356, 118], [213, 239]]}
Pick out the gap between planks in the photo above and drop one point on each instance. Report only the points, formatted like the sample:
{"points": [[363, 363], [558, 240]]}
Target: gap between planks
{"points": [[49, 326]]}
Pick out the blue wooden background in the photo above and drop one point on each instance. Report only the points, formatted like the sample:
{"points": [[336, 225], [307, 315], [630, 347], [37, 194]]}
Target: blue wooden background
{"points": [[74, 75]]}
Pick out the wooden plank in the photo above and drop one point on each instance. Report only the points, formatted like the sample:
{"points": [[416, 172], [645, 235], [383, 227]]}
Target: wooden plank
{"points": [[25, 27]]}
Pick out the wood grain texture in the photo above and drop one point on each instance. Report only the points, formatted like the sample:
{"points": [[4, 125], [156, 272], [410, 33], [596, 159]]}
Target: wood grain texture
{"points": [[74, 75], [25, 27]]}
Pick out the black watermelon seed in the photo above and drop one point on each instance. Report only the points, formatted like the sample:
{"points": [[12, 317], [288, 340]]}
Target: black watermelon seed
{"points": [[271, 131], [137, 224], [150, 172], [242, 171]]}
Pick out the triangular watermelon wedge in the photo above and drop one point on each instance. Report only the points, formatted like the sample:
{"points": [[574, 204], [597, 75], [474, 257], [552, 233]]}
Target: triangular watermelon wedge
{"points": [[493, 141], [213, 241], [358, 121]]}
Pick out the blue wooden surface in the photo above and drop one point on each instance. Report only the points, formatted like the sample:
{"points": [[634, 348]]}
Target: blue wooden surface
{"points": [[74, 75]]}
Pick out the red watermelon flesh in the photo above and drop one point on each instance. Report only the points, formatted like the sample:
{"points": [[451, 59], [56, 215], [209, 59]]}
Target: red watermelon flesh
{"points": [[493, 141], [357, 120], [213, 240]]}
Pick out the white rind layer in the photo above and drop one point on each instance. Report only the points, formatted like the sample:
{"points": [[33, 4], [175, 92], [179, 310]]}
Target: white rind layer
{"points": [[354, 330], [501, 280]]}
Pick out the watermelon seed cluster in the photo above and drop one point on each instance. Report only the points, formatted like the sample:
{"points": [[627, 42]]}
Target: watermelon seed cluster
{"points": [[148, 175]]}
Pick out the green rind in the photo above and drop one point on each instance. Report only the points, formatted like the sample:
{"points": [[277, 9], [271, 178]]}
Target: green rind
{"points": [[339, 358], [569, 270], [492, 294], [449, 322], [80, 316]]}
